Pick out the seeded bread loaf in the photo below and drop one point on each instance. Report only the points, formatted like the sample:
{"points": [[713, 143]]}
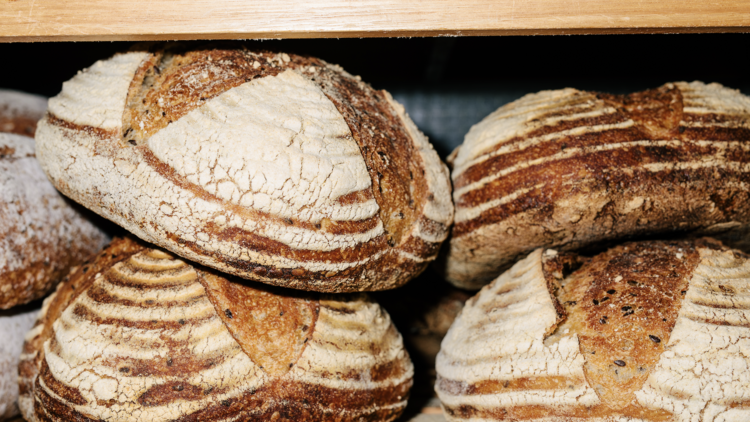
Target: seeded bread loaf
{"points": [[273, 167], [568, 169], [14, 324], [41, 234], [647, 331], [141, 335]]}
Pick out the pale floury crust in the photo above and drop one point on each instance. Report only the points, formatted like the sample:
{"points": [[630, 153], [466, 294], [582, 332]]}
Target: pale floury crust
{"points": [[141, 335], [666, 338], [41, 233], [568, 169], [14, 324], [277, 168]]}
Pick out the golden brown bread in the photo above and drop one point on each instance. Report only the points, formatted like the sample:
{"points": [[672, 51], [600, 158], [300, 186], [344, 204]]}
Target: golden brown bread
{"points": [[647, 331], [273, 167], [141, 335], [41, 234], [569, 168]]}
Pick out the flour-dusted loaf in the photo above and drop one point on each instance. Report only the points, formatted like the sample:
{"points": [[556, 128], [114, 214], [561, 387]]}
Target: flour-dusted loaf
{"points": [[20, 112], [647, 331], [41, 234], [569, 168], [14, 324], [273, 167], [141, 335]]}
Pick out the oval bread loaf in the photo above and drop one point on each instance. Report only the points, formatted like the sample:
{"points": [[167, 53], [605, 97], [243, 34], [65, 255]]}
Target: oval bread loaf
{"points": [[14, 324], [273, 167], [41, 234], [141, 335], [648, 331], [569, 168]]}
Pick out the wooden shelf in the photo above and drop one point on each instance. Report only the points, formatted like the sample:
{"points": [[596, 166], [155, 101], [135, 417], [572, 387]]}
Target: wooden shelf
{"points": [[103, 20]]}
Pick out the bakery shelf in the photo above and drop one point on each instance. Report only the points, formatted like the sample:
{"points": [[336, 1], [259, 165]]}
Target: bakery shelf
{"points": [[101, 20]]}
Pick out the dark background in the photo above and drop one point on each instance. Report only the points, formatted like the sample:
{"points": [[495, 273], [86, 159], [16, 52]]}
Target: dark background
{"points": [[448, 84]]}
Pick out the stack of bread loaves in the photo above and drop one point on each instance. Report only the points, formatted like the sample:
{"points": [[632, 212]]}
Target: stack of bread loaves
{"points": [[651, 330], [237, 167], [41, 235]]}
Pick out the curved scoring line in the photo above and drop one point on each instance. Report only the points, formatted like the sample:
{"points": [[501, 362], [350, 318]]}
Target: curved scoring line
{"points": [[523, 144], [580, 151]]}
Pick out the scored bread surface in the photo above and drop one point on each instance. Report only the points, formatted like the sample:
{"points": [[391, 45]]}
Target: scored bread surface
{"points": [[141, 335], [570, 168], [276, 168], [651, 331], [41, 234]]}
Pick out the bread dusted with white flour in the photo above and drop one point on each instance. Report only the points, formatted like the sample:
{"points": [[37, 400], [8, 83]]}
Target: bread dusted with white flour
{"points": [[273, 167], [569, 168], [14, 324], [647, 331], [141, 335], [41, 234]]}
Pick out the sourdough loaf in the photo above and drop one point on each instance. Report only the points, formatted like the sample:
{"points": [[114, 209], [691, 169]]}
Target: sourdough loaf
{"points": [[569, 169], [41, 234], [141, 335], [647, 331], [14, 324], [273, 167]]}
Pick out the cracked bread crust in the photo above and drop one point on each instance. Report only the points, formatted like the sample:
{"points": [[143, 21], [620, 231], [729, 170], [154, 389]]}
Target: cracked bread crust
{"points": [[140, 334], [41, 234], [569, 169], [273, 167], [650, 331]]}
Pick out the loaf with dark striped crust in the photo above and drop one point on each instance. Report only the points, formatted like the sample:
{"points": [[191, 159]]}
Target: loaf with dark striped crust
{"points": [[141, 335], [569, 169], [273, 167], [649, 331], [41, 234]]}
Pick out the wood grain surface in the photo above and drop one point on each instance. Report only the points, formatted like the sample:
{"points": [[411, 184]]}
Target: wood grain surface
{"points": [[65, 20]]}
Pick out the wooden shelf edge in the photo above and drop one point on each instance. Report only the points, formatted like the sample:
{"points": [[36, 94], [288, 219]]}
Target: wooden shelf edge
{"points": [[367, 34], [133, 20]]}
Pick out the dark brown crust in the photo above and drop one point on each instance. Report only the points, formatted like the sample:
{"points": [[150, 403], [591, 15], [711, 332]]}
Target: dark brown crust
{"points": [[672, 199], [284, 401]]}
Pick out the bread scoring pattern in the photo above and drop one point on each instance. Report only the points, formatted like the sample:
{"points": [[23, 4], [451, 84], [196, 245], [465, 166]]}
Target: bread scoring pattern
{"points": [[276, 168], [649, 331], [570, 168], [146, 336]]}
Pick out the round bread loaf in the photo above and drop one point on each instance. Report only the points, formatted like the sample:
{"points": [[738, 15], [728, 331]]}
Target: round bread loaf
{"points": [[14, 324], [273, 167], [569, 169], [41, 234], [141, 335], [648, 331]]}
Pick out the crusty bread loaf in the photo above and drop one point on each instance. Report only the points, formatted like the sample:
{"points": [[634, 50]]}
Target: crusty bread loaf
{"points": [[273, 167], [569, 168], [14, 324], [20, 112], [141, 335], [647, 331], [41, 234]]}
